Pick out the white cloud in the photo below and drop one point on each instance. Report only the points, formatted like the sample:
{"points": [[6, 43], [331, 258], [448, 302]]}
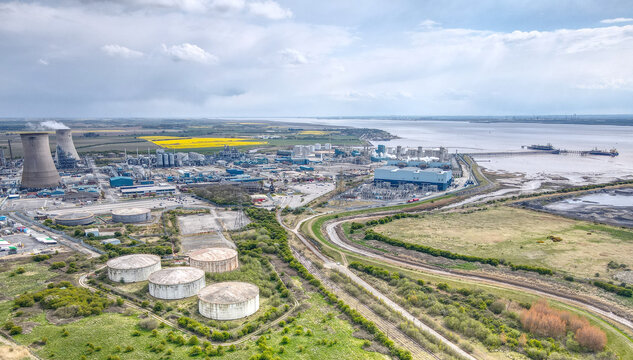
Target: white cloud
{"points": [[293, 57], [116, 50], [616, 20], [189, 52], [269, 9], [429, 24], [42, 62], [227, 5]]}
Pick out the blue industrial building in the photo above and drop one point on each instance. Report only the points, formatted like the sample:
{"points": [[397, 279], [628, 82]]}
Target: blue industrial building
{"points": [[118, 181], [413, 175]]}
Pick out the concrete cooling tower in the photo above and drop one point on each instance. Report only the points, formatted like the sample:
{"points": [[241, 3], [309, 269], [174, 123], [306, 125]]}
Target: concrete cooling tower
{"points": [[39, 169], [65, 143]]}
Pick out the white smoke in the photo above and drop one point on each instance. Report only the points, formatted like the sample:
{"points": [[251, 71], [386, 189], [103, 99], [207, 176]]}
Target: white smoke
{"points": [[52, 125]]}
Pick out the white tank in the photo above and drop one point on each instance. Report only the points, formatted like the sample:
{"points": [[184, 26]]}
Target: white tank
{"points": [[132, 268], [228, 300], [176, 282], [214, 260], [131, 215]]}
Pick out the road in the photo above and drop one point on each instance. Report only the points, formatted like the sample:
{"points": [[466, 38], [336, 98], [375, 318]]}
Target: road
{"points": [[334, 237], [360, 282]]}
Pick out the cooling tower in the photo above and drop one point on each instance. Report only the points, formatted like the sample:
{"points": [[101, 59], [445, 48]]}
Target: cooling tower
{"points": [[38, 169], [65, 142]]}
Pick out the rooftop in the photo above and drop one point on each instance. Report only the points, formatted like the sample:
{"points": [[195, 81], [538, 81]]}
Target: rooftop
{"points": [[213, 254], [134, 261], [176, 275], [230, 292]]}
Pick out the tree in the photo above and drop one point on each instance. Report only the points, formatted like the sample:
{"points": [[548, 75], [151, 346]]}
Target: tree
{"points": [[591, 338]]}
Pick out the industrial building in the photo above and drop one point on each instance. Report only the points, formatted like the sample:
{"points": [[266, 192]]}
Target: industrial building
{"points": [[75, 219], [131, 215], [214, 260], [228, 300], [118, 181], [141, 190], [176, 282], [413, 175], [39, 170], [132, 268]]}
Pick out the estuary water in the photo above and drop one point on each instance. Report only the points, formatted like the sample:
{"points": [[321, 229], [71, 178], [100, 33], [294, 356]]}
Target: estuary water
{"points": [[473, 137]]}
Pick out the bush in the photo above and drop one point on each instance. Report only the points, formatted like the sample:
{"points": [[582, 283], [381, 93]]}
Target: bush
{"points": [[15, 330], [148, 324], [40, 257], [620, 290], [591, 338], [58, 265], [497, 307]]}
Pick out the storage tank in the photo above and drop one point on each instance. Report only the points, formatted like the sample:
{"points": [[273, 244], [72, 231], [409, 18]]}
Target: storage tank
{"points": [[39, 168], [214, 260], [228, 300], [75, 219], [131, 215], [65, 142], [132, 268], [176, 282]]}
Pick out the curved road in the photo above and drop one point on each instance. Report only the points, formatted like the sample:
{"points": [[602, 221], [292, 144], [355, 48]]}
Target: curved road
{"points": [[335, 239]]}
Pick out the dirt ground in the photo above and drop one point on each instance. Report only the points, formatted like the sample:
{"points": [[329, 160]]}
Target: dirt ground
{"points": [[522, 237], [12, 352]]}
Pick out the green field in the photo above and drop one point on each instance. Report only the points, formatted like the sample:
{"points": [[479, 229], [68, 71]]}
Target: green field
{"points": [[520, 236]]}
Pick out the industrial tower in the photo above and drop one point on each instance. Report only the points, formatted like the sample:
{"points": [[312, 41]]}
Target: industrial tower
{"points": [[39, 169]]}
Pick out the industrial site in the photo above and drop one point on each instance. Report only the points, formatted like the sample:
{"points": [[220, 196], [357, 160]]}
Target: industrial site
{"points": [[281, 240]]}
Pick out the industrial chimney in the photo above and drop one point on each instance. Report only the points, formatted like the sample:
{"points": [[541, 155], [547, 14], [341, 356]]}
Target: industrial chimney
{"points": [[65, 143], [38, 169]]}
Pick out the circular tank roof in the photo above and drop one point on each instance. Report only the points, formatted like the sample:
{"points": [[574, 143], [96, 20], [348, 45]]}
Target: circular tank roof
{"points": [[134, 261], [176, 275], [74, 216], [213, 254], [229, 292], [130, 211]]}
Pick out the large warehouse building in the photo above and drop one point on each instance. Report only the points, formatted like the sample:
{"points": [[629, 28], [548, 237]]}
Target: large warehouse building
{"points": [[413, 175]]}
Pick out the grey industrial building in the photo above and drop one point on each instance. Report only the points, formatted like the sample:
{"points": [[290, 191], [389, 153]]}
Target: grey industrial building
{"points": [[413, 175]]}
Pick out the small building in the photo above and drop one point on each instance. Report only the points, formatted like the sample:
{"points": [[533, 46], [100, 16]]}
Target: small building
{"points": [[93, 231], [141, 190], [111, 241], [412, 175], [118, 181]]}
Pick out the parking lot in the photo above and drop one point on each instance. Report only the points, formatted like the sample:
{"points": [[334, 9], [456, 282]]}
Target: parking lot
{"points": [[30, 245]]}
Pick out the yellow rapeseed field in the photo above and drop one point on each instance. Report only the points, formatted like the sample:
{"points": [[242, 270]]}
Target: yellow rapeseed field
{"points": [[313, 132], [173, 142]]}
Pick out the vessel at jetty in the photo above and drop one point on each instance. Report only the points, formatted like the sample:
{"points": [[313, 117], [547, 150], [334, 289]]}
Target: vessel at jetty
{"points": [[548, 147], [612, 152]]}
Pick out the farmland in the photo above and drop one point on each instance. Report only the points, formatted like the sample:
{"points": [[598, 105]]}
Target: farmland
{"points": [[174, 142], [520, 236]]}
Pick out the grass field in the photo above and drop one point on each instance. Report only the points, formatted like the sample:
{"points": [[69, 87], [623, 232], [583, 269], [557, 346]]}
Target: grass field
{"points": [[520, 236]]}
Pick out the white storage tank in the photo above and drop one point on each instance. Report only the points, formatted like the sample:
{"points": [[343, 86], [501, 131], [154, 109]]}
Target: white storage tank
{"points": [[132, 268], [228, 300], [176, 282], [214, 260], [75, 218], [131, 215]]}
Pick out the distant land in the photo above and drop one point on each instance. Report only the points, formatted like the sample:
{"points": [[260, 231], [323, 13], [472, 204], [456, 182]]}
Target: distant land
{"points": [[620, 120]]}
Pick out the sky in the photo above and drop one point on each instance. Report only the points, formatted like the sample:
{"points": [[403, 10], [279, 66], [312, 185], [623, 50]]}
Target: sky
{"points": [[282, 58]]}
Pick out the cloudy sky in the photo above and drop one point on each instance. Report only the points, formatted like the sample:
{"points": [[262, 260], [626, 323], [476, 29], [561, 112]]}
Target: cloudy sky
{"points": [[212, 58]]}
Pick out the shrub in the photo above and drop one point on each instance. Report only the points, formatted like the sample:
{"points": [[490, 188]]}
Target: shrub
{"points": [[40, 257], [591, 338], [20, 270], [148, 324], [15, 330], [58, 265], [620, 290], [193, 340], [497, 307]]}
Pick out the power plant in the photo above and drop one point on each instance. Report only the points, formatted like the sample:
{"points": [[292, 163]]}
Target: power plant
{"points": [[39, 168], [65, 143]]}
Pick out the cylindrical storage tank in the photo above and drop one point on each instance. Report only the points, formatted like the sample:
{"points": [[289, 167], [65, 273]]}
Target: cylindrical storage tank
{"points": [[228, 300], [131, 215], [132, 268], [74, 219], [214, 260], [176, 282]]}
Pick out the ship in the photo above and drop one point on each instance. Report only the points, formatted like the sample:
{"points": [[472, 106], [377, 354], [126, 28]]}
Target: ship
{"points": [[548, 147], [612, 152]]}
